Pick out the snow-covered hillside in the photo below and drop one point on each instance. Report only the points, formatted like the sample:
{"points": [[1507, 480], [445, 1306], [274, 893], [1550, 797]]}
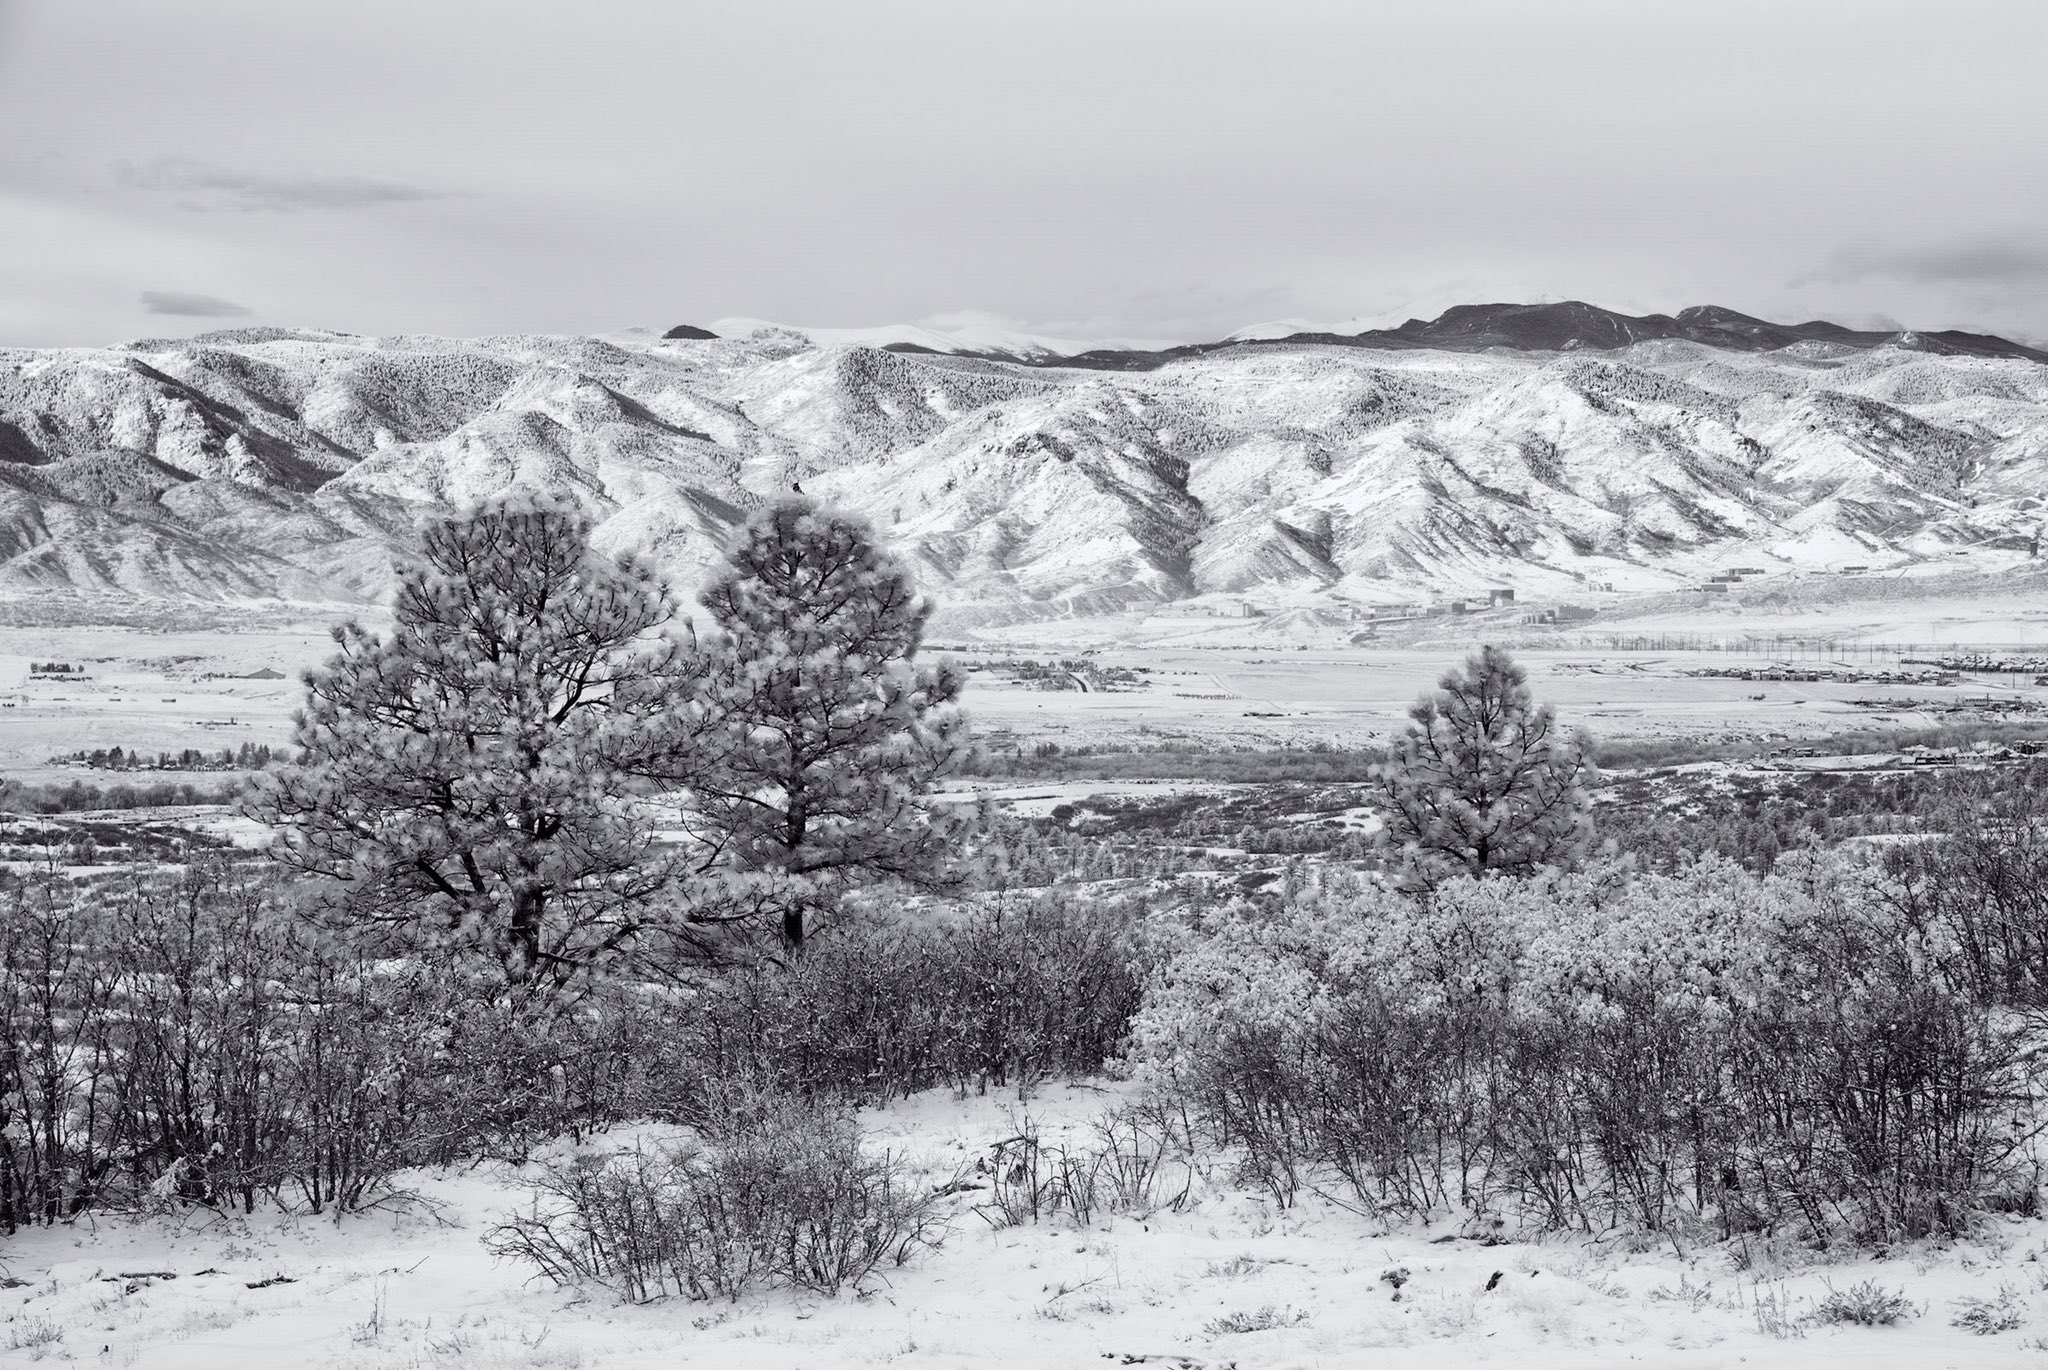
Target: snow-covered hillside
{"points": [[1389, 467]]}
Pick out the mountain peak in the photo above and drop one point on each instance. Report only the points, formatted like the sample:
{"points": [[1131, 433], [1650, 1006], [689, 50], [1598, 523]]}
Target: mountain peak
{"points": [[1575, 325]]}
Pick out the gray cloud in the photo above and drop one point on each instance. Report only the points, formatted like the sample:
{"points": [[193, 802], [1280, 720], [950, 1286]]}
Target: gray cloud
{"points": [[204, 186], [1980, 261], [192, 306], [1194, 167]]}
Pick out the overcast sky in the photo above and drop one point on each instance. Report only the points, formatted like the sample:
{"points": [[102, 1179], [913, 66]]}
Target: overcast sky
{"points": [[1100, 169]]}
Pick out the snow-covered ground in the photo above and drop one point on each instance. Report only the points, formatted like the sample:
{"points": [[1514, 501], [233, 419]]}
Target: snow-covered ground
{"points": [[415, 1287], [1207, 681]]}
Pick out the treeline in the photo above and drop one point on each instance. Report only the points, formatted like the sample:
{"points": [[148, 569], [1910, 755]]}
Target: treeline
{"points": [[1316, 763], [1758, 825], [76, 796], [250, 756], [1636, 753]]}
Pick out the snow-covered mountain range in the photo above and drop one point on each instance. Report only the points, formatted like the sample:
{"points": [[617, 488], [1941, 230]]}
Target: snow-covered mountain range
{"points": [[1548, 448]]}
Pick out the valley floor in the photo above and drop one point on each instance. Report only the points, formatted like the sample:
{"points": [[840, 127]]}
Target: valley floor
{"points": [[416, 1288]]}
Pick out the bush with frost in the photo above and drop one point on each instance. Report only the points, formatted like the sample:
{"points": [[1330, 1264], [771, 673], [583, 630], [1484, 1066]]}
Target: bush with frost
{"points": [[1700, 1052]]}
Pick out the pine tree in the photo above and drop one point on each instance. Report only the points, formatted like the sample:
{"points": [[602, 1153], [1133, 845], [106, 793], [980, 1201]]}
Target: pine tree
{"points": [[463, 779], [1482, 783], [817, 737]]}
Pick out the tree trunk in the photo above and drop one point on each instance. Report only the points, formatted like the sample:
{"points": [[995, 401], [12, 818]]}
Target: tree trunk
{"points": [[523, 955]]}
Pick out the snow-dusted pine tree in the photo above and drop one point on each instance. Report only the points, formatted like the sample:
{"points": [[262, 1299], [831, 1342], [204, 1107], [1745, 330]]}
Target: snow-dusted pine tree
{"points": [[819, 736], [459, 779], [1482, 783]]}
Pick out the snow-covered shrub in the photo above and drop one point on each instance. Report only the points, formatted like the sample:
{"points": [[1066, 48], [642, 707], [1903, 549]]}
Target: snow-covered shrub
{"points": [[1699, 1050], [785, 1194], [1354, 1030]]}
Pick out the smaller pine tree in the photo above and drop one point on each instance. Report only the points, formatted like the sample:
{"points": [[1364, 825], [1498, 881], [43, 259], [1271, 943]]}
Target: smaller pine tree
{"points": [[817, 736], [1482, 783]]}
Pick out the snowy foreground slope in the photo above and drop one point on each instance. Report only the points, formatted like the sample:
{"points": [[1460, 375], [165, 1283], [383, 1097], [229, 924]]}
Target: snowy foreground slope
{"points": [[1548, 449], [415, 1288]]}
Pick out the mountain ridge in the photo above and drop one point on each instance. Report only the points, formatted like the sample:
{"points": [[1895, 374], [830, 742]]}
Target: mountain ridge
{"points": [[1437, 458], [1564, 325]]}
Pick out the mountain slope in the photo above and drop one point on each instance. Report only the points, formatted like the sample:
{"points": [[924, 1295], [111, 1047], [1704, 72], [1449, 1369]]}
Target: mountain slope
{"points": [[1548, 447]]}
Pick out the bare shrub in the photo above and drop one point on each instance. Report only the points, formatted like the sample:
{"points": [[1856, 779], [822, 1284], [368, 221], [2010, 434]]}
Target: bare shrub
{"points": [[2002, 1312], [1866, 1304], [644, 1223], [1131, 1161], [1771, 1306], [167, 1038], [1000, 991], [1030, 1180], [1263, 1320], [1143, 1161], [1984, 881], [785, 1195]]}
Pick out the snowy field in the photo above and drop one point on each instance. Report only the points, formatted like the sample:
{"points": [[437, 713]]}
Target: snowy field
{"points": [[147, 691], [1226, 1281], [170, 691], [1354, 696]]}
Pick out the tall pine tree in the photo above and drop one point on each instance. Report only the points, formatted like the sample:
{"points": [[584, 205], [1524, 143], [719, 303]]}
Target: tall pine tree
{"points": [[465, 778]]}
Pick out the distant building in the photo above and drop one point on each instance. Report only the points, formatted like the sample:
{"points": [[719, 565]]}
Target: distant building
{"points": [[1716, 587], [1497, 597], [1574, 613], [266, 673]]}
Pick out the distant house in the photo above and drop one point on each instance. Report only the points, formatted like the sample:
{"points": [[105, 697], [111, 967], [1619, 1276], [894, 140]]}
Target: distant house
{"points": [[1716, 587], [266, 673], [1497, 597], [1574, 613]]}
